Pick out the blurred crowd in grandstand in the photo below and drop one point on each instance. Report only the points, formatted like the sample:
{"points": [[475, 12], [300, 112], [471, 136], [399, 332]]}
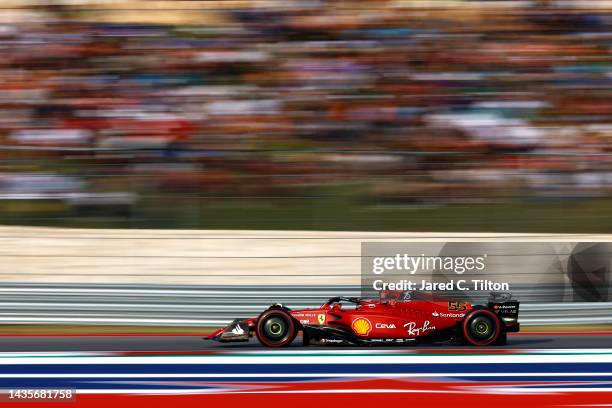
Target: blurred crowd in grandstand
{"points": [[382, 100]]}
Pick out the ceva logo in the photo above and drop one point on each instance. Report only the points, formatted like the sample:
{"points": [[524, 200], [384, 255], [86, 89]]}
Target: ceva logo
{"points": [[385, 326], [361, 326]]}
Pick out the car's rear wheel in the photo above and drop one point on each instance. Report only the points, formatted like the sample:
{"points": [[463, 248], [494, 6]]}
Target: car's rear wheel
{"points": [[482, 328], [276, 328]]}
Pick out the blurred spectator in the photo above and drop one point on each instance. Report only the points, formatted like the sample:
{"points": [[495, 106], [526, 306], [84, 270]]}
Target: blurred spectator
{"points": [[251, 98]]}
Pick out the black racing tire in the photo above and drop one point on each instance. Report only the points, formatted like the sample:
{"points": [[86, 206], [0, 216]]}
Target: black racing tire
{"points": [[276, 328], [482, 327]]}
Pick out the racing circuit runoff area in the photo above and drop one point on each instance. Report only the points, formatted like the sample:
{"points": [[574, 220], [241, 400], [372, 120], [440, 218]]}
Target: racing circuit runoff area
{"points": [[187, 343]]}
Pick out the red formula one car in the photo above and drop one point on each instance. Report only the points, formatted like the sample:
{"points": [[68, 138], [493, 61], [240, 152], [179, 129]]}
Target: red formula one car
{"points": [[396, 317]]}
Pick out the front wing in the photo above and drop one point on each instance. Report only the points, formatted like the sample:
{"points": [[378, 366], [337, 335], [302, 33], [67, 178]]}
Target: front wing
{"points": [[238, 330]]}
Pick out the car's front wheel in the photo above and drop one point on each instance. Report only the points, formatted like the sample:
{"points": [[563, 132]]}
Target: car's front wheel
{"points": [[276, 328], [482, 327]]}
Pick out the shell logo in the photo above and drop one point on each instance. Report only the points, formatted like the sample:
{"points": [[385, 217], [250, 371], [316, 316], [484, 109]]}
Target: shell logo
{"points": [[361, 326]]}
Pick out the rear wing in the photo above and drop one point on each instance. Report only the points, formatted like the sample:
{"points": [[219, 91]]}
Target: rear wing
{"points": [[506, 308]]}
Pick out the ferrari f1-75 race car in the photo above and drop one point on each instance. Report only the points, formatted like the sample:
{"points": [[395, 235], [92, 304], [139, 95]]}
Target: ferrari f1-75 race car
{"points": [[396, 317]]}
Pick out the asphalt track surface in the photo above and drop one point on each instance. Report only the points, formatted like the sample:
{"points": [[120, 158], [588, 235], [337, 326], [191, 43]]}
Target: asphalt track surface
{"points": [[192, 343]]}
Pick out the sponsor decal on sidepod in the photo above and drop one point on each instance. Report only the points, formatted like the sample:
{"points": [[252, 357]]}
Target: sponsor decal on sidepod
{"points": [[385, 326], [417, 331], [361, 326], [436, 314]]}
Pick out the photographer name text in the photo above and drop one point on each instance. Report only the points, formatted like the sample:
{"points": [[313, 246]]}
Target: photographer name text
{"points": [[460, 284]]}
